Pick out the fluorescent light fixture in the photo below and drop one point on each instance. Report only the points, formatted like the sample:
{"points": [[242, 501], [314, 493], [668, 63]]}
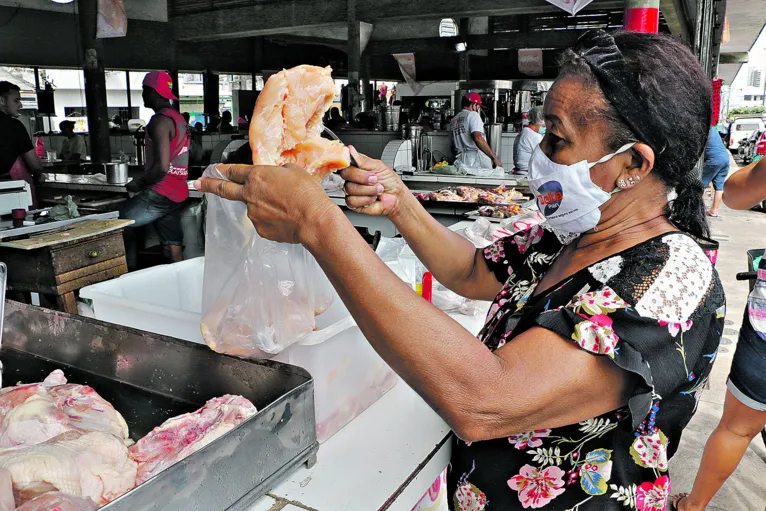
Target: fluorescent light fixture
{"points": [[62, 1], [461, 47]]}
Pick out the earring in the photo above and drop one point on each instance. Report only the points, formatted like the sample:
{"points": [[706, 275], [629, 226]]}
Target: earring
{"points": [[631, 182], [638, 178], [621, 183]]}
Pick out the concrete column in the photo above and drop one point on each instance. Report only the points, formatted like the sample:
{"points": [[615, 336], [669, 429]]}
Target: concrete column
{"points": [[129, 98], [257, 57], [464, 57], [210, 91], [354, 60], [95, 83], [176, 89], [642, 16]]}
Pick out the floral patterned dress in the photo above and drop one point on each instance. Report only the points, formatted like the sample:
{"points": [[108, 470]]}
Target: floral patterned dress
{"points": [[657, 310]]}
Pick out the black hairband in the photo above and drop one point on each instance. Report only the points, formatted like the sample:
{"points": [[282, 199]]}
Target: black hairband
{"points": [[619, 84]]}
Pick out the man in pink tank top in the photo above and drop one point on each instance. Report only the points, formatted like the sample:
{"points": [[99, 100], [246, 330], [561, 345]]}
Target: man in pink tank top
{"points": [[161, 191]]}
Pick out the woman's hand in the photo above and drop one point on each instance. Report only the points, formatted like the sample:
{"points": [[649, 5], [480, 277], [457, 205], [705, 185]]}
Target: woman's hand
{"points": [[284, 203], [372, 188]]}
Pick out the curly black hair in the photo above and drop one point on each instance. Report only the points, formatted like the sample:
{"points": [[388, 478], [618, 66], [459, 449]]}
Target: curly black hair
{"points": [[677, 95]]}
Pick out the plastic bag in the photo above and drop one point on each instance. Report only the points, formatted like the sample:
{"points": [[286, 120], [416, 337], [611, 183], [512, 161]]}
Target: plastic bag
{"points": [[258, 296]]}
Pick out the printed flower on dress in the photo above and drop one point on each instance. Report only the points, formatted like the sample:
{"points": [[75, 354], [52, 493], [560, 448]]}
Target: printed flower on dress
{"points": [[467, 496], [598, 302], [596, 335], [674, 328], [529, 439], [528, 238], [653, 496], [651, 451], [595, 472], [537, 487], [495, 252]]}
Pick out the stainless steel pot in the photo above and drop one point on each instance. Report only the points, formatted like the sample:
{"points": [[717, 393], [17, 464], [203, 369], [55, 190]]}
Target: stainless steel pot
{"points": [[116, 173]]}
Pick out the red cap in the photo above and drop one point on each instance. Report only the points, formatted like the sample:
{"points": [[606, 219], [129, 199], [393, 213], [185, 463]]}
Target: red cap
{"points": [[473, 97], [161, 82]]}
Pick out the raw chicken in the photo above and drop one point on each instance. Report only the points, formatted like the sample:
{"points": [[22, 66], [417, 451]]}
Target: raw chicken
{"points": [[34, 413], [7, 502], [88, 411], [31, 416], [287, 122], [94, 465], [182, 436], [57, 501]]}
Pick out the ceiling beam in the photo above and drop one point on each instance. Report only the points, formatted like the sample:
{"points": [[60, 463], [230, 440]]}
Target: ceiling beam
{"points": [[734, 58], [675, 17], [540, 39], [269, 18]]}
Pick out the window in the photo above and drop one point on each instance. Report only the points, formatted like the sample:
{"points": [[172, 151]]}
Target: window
{"points": [[748, 97], [754, 78], [448, 28]]}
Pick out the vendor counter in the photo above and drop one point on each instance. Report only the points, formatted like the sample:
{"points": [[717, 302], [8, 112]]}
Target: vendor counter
{"points": [[93, 194], [92, 183]]}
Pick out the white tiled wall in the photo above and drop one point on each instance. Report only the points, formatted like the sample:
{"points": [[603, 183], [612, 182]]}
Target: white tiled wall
{"points": [[369, 143], [506, 150]]}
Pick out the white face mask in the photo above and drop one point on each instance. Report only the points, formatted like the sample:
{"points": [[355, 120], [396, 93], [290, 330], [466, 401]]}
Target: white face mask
{"points": [[565, 194]]}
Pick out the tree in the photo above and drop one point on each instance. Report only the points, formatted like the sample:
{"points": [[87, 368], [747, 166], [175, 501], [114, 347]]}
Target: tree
{"points": [[745, 110]]}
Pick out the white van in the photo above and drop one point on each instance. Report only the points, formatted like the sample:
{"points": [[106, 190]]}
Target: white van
{"points": [[743, 128]]}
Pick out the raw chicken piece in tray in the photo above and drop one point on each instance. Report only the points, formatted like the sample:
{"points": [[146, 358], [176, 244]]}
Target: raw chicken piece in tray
{"points": [[57, 501], [287, 122], [81, 464], [182, 436], [36, 412]]}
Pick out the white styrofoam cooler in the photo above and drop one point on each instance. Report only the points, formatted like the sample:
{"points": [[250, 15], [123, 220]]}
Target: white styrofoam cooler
{"points": [[349, 375]]}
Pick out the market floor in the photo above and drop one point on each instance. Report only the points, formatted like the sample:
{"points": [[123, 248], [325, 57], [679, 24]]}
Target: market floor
{"points": [[737, 232]]}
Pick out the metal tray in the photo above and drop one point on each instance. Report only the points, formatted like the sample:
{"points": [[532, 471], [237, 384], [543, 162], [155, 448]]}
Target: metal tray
{"points": [[150, 378]]}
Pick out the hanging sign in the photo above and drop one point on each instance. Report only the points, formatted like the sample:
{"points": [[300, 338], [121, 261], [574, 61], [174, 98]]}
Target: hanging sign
{"points": [[570, 6], [531, 62], [406, 63], [112, 20]]}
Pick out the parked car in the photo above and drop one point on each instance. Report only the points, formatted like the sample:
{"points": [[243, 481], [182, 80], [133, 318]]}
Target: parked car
{"points": [[742, 129], [760, 152]]}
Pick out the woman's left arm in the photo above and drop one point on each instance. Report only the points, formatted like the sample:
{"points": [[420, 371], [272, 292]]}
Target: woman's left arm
{"points": [[540, 380]]}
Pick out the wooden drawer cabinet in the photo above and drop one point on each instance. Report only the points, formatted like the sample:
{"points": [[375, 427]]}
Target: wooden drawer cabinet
{"points": [[66, 265]]}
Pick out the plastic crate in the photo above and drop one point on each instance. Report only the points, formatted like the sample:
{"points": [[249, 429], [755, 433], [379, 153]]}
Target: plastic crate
{"points": [[349, 375]]}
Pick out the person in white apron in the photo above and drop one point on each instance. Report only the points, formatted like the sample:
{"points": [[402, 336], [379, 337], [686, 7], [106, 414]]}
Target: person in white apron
{"points": [[467, 128]]}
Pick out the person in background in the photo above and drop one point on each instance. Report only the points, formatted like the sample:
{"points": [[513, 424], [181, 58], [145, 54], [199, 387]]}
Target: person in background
{"points": [[187, 118], [344, 105], [213, 124], [198, 127], [73, 147], [336, 121], [468, 135], [530, 137], [226, 126], [161, 191], [18, 158], [744, 409], [715, 169]]}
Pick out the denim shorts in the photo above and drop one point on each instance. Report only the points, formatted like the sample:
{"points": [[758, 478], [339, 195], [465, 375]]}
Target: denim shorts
{"points": [[147, 207], [715, 172], [747, 379]]}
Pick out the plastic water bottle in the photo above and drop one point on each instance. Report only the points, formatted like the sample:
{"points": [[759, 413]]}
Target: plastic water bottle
{"points": [[40, 148]]}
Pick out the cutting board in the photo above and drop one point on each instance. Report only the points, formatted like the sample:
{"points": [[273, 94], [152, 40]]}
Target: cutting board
{"points": [[69, 233]]}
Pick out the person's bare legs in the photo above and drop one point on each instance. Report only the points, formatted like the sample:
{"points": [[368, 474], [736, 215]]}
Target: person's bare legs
{"points": [[717, 199], [173, 252], [723, 451]]}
